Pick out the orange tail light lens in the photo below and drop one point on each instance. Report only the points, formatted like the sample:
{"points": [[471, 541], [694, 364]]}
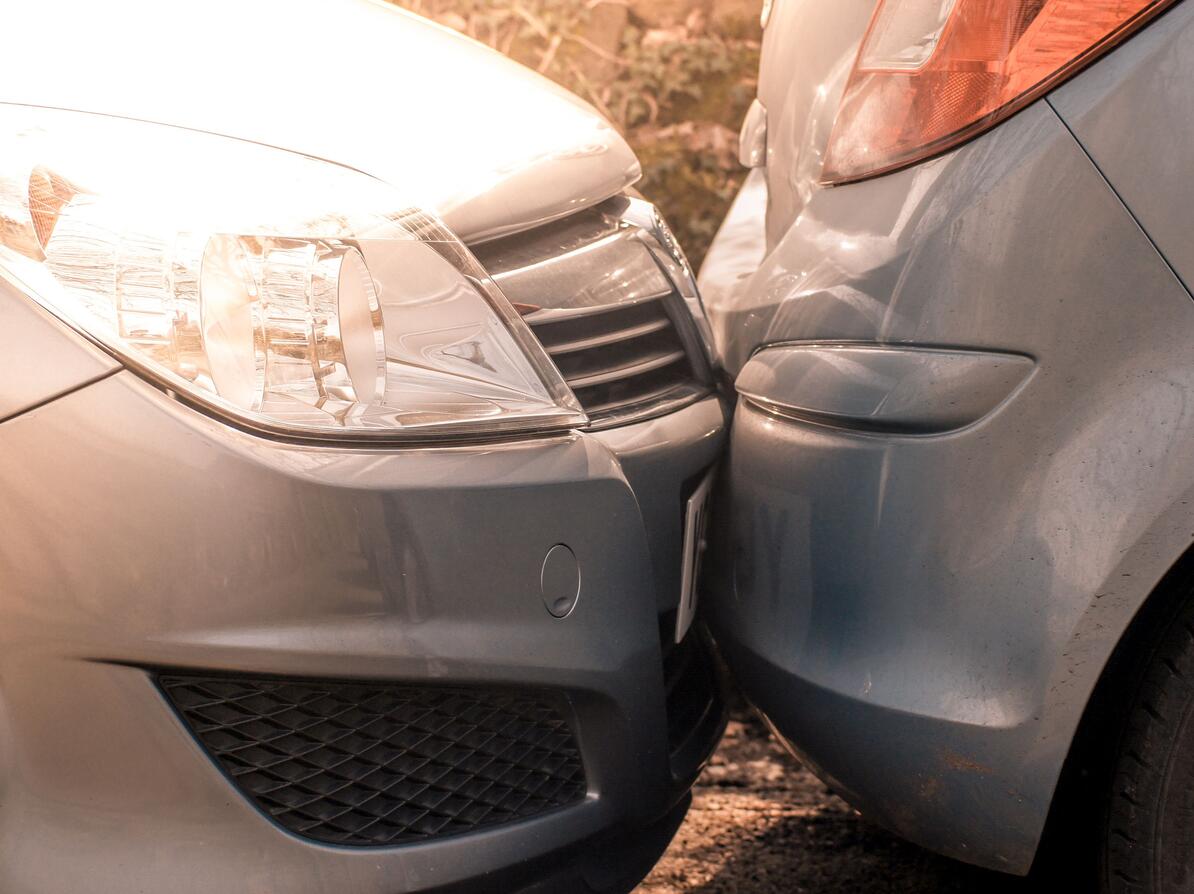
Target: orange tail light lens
{"points": [[933, 73]]}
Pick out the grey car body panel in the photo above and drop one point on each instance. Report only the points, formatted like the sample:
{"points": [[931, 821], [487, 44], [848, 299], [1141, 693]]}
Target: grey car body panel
{"points": [[738, 249], [1143, 88], [808, 49], [662, 459], [488, 144], [926, 615], [41, 359], [143, 534]]}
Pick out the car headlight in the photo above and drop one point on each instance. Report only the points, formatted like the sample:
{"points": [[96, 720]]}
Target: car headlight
{"points": [[289, 294]]}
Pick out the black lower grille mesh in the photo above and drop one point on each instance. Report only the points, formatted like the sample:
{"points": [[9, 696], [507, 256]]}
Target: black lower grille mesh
{"points": [[375, 764]]}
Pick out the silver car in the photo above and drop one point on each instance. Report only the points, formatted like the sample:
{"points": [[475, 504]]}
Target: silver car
{"points": [[357, 424], [955, 568]]}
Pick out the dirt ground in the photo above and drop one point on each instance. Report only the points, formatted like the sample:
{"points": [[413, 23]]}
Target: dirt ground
{"points": [[761, 824]]}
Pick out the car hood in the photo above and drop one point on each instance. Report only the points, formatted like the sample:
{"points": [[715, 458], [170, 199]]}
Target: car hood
{"points": [[490, 145]]}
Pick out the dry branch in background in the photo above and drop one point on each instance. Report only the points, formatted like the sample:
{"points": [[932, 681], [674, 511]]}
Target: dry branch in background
{"points": [[675, 76]]}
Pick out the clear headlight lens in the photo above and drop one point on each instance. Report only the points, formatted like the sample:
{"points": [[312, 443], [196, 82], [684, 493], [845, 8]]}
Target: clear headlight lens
{"points": [[290, 294]]}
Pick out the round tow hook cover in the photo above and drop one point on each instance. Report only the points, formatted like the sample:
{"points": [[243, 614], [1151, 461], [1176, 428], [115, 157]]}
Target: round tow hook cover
{"points": [[560, 580]]}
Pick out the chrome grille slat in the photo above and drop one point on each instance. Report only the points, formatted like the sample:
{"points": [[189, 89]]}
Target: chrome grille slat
{"points": [[613, 374], [551, 315], [669, 396], [609, 338], [606, 312], [630, 348]]}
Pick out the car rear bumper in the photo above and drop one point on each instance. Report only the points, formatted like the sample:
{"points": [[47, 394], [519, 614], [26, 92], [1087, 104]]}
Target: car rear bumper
{"points": [[144, 538], [959, 466]]}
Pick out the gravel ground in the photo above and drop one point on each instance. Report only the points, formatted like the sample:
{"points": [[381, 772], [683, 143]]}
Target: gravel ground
{"points": [[761, 824]]}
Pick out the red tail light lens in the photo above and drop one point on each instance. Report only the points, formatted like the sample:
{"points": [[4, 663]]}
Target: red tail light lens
{"points": [[933, 73]]}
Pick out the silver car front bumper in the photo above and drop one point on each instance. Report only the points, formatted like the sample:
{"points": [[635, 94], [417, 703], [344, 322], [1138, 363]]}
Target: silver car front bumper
{"points": [[142, 537]]}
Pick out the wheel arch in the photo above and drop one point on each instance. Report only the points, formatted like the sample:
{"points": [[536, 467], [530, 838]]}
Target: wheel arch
{"points": [[1079, 798]]}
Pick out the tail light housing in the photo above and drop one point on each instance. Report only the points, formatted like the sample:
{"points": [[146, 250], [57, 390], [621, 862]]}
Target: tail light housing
{"points": [[931, 74]]}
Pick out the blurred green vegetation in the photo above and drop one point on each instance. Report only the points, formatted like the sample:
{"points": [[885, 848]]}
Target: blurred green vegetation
{"points": [[675, 76]]}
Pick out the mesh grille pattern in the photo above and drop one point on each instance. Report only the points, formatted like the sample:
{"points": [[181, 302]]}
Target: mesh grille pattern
{"points": [[376, 764]]}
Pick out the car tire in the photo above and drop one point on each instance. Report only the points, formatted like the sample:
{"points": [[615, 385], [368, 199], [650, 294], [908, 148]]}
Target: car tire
{"points": [[1148, 828]]}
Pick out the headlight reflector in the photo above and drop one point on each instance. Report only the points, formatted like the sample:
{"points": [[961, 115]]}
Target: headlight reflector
{"points": [[291, 294]]}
